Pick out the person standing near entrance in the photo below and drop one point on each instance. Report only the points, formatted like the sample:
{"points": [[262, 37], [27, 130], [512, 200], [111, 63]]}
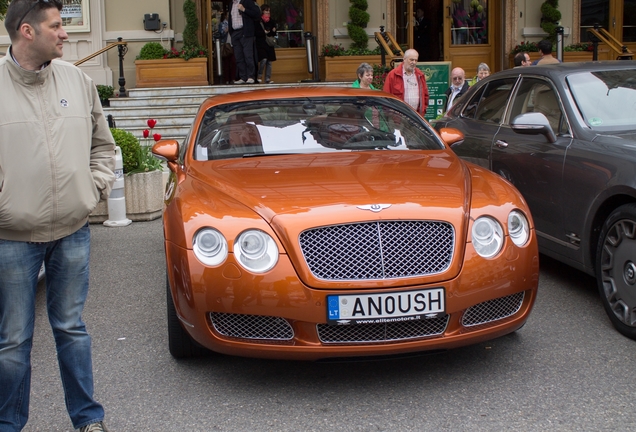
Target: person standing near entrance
{"points": [[545, 48], [57, 158], [365, 77], [408, 83], [458, 88], [266, 52], [243, 19], [421, 32], [522, 59]]}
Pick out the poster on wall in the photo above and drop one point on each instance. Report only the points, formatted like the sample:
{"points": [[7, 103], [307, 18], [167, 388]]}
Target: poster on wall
{"points": [[75, 16], [438, 80]]}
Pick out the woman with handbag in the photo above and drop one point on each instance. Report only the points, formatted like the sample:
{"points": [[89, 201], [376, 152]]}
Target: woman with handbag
{"points": [[265, 44], [227, 52]]}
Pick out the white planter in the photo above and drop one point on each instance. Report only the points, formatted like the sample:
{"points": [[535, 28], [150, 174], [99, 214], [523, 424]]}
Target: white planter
{"points": [[144, 198]]}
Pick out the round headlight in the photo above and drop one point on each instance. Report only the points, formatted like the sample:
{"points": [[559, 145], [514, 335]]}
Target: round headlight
{"points": [[209, 246], [518, 228], [487, 236], [256, 251]]}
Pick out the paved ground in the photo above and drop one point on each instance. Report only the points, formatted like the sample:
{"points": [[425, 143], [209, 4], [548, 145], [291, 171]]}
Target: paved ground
{"points": [[566, 370]]}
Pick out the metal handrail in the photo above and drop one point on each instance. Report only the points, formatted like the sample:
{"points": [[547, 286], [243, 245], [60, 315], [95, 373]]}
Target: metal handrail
{"points": [[388, 45], [101, 51], [601, 35], [122, 47]]}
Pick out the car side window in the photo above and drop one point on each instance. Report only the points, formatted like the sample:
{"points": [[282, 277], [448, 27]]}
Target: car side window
{"points": [[536, 95], [471, 106], [493, 102]]}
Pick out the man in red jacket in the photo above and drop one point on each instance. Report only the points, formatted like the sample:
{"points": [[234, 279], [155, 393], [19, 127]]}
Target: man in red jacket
{"points": [[408, 83]]}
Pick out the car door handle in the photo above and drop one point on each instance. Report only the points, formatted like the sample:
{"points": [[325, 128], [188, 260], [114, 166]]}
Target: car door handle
{"points": [[501, 144]]}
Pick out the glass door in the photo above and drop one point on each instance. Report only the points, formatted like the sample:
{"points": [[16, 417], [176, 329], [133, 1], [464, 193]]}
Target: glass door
{"points": [[618, 17], [420, 26]]}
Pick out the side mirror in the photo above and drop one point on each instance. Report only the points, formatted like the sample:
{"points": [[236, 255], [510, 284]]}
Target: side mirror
{"points": [[533, 124], [451, 136], [167, 150]]}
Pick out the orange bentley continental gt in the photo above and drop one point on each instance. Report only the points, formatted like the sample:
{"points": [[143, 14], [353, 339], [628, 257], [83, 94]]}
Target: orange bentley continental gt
{"points": [[313, 223]]}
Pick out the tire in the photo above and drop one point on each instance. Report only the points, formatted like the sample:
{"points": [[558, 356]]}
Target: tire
{"points": [[616, 269], [180, 343]]}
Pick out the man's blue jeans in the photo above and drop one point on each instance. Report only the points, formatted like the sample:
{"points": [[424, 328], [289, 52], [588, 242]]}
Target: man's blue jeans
{"points": [[66, 261]]}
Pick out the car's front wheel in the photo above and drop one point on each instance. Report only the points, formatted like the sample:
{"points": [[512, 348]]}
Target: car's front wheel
{"points": [[180, 343], [616, 268]]}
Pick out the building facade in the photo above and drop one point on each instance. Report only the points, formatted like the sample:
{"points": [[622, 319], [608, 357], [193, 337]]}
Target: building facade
{"points": [[463, 32]]}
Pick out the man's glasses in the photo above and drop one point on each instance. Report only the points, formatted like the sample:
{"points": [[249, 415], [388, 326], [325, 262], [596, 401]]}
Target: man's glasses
{"points": [[56, 3]]}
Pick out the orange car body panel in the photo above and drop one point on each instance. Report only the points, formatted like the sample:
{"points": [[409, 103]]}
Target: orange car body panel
{"points": [[285, 195]]}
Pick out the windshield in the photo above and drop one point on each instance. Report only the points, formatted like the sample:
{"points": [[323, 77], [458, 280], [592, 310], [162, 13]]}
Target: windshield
{"points": [[606, 99], [310, 126]]}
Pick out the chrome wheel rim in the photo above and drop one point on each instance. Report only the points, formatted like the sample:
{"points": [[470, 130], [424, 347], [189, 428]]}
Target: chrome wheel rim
{"points": [[619, 270]]}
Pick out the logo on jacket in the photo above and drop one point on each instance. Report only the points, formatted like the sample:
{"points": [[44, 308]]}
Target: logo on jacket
{"points": [[375, 208], [64, 103]]}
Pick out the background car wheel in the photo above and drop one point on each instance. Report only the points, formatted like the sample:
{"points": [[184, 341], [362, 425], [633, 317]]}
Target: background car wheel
{"points": [[616, 269], [180, 343]]}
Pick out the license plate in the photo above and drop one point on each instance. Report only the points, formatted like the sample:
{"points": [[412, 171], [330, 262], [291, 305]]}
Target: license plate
{"points": [[385, 307]]}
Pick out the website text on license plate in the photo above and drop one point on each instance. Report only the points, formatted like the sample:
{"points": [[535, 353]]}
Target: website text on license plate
{"points": [[385, 307]]}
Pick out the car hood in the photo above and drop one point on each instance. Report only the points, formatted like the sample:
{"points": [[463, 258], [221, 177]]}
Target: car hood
{"points": [[293, 193]]}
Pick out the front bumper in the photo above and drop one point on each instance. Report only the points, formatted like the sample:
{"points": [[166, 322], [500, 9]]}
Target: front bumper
{"points": [[275, 315]]}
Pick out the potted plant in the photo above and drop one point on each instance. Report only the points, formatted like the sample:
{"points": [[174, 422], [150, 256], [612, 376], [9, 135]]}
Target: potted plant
{"points": [[550, 17], [4, 4], [576, 52], [143, 177], [105, 92], [340, 64], [156, 66], [359, 20]]}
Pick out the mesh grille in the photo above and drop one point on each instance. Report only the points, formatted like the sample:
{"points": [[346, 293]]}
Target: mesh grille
{"points": [[251, 326], [378, 250], [492, 310], [386, 332]]}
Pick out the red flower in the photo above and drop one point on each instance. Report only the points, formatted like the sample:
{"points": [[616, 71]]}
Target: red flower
{"points": [[146, 133], [157, 137], [151, 123]]}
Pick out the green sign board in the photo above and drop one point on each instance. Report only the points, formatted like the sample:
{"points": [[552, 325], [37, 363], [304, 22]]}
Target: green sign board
{"points": [[438, 81]]}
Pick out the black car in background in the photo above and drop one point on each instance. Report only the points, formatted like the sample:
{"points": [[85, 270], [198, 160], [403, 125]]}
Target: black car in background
{"points": [[565, 136]]}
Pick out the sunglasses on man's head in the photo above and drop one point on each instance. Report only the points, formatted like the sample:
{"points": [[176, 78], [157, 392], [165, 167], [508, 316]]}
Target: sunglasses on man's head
{"points": [[56, 3]]}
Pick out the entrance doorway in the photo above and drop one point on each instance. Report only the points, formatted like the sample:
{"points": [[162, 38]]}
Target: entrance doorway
{"points": [[618, 17], [460, 31]]}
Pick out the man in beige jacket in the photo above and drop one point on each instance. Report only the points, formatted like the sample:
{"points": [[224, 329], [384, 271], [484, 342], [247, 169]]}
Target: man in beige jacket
{"points": [[56, 163]]}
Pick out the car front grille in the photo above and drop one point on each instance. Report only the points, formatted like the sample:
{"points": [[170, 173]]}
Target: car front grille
{"points": [[385, 332], [252, 326], [492, 310], [378, 250]]}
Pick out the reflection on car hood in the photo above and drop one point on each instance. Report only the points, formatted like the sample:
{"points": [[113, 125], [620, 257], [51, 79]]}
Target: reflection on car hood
{"points": [[304, 184]]}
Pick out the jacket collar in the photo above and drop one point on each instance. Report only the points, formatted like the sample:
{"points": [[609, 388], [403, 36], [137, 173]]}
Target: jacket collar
{"points": [[25, 76]]}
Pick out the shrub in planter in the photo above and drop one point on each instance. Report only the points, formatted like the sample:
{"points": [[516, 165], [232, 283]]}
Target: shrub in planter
{"points": [[525, 47], [130, 148], [550, 17], [4, 4], [359, 20], [379, 75], [105, 92], [152, 51]]}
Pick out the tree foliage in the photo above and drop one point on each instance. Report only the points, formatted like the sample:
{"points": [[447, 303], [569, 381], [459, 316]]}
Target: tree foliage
{"points": [[190, 37], [550, 17], [4, 4], [359, 19]]}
